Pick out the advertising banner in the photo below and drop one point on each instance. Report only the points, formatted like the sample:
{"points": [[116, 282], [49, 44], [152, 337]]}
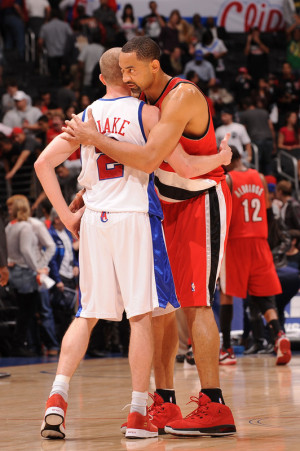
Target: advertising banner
{"points": [[234, 15]]}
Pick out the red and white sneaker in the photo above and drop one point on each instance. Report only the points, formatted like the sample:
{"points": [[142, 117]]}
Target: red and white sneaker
{"points": [[227, 357], [53, 425], [283, 349], [210, 418], [160, 413], [139, 426]]}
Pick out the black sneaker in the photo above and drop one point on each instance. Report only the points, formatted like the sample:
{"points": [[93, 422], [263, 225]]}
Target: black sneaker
{"points": [[254, 349], [189, 356], [269, 349], [180, 358]]}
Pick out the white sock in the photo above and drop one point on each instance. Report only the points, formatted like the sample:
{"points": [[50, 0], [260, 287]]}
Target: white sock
{"points": [[61, 386], [139, 402]]}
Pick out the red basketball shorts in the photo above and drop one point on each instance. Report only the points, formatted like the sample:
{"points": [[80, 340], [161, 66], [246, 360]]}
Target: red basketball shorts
{"points": [[248, 268], [196, 233]]}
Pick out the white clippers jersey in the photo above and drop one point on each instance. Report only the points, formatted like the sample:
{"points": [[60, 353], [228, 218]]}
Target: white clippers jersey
{"points": [[111, 186]]}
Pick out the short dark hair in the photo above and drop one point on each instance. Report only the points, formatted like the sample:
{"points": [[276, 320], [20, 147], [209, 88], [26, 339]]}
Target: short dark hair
{"points": [[235, 154], [144, 47], [285, 187]]}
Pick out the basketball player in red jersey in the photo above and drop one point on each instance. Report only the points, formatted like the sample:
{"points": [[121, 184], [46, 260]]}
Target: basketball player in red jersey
{"points": [[248, 265], [197, 212]]}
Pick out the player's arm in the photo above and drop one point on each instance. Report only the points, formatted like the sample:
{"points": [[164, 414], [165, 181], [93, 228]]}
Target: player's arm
{"points": [[186, 165], [189, 166], [54, 154], [266, 190], [163, 138]]}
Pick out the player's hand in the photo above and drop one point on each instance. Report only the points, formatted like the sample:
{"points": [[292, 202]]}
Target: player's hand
{"points": [[225, 150], [77, 202], [78, 131], [74, 224], [4, 276]]}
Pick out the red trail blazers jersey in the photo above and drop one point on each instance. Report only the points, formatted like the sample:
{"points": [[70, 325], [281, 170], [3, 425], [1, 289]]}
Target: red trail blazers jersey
{"points": [[173, 188], [249, 217]]}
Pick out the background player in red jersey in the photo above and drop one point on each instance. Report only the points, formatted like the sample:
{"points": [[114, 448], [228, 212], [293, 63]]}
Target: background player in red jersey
{"points": [[197, 211], [248, 265]]}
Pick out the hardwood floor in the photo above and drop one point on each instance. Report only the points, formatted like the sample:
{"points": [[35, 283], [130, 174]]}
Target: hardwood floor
{"points": [[265, 401]]}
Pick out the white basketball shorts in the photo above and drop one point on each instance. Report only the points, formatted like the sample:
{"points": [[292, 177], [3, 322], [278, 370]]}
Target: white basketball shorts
{"points": [[123, 266]]}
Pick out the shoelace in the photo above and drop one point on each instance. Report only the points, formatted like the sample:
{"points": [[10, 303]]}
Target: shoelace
{"points": [[200, 411], [155, 408]]}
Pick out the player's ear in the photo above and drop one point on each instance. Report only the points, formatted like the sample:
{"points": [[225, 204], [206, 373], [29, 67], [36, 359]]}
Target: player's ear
{"points": [[155, 64], [102, 79]]}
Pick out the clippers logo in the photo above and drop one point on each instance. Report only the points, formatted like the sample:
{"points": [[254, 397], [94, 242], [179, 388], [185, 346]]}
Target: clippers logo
{"points": [[193, 287], [104, 217]]}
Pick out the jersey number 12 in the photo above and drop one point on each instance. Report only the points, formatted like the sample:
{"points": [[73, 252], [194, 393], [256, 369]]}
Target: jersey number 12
{"points": [[255, 206]]}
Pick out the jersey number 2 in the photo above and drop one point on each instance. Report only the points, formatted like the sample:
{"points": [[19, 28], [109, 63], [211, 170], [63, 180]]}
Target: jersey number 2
{"points": [[108, 168], [255, 205]]}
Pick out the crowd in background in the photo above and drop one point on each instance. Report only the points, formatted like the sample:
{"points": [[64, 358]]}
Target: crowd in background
{"points": [[49, 54]]}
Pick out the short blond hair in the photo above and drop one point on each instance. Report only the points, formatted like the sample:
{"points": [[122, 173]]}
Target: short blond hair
{"points": [[20, 207], [109, 66]]}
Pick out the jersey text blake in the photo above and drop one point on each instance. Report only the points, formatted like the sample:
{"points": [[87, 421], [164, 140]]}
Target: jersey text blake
{"points": [[113, 125]]}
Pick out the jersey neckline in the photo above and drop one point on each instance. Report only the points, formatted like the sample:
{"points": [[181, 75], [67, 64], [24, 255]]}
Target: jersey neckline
{"points": [[116, 98]]}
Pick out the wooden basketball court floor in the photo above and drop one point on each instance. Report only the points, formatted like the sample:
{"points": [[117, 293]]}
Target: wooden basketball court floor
{"points": [[265, 401]]}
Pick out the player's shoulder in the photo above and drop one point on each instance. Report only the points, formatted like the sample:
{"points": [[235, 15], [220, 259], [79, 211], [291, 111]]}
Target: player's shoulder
{"points": [[150, 115], [186, 88], [185, 94]]}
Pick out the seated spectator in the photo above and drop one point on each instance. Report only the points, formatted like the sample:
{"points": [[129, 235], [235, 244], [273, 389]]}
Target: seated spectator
{"points": [[9, 151], [107, 17], [261, 131], [210, 25], [293, 47], [7, 101], [220, 95], [185, 33], [72, 8], [257, 55], [243, 84], [289, 135], [22, 113], [290, 210], [55, 127], [129, 24], [66, 96], [46, 103], [204, 69], [27, 149], [23, 269], [41, 133], [197, 29], [264, 93], [213, 50], [153, 22], [170, 45], [238, 135], [287, 92]]}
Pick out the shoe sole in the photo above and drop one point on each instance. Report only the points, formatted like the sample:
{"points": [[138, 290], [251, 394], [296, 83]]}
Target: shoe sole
{"points": [[227, 429], [139, 433], [229, 362], [52, 426], [284, 354], [160, 431]]}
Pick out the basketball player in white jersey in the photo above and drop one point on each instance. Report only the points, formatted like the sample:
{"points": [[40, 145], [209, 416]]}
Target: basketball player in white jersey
{"points": [[122, 266]]}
